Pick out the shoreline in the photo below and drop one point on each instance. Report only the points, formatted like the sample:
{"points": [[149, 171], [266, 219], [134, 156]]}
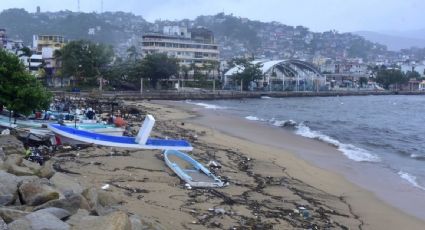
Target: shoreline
{"points": [[359, 194], [221, 94]]}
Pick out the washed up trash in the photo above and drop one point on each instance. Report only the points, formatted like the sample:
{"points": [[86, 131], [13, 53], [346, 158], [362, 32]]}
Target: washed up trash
{"points": [[220, 211], [188, 186], [105, 187], [214, 164], [5, 132], [34, 155]]}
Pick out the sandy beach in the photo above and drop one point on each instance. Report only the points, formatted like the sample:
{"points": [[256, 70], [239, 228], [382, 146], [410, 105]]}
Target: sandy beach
{"points": [[270, 187]]}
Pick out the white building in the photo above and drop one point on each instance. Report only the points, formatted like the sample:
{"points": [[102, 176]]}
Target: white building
{"points": [[196, 46]]}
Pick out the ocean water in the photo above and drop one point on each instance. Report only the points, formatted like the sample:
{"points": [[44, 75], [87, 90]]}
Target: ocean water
{"points": [[388, 131]]}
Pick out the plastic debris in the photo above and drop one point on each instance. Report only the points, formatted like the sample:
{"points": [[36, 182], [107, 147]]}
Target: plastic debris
{"points": [[105, 187]]}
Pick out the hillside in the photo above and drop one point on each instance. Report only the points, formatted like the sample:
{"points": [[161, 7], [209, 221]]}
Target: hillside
{"points": [[236, 36], [393, 42]]}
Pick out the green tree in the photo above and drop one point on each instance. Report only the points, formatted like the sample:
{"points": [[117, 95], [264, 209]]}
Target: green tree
{"points": [[20, 91], [388, 77], [413, 74], [158, 66], [363, 81], [133, 54], [27, 53], [86, 61], [248, 73]]}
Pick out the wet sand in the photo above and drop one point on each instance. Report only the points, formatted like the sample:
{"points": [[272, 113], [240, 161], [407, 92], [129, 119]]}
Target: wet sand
{"points": [[268, 184]]}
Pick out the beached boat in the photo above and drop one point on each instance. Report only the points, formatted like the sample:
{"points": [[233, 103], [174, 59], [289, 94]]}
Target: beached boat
{"points": [[97, 128], [24, 123], [141, 141], [190, 170]]}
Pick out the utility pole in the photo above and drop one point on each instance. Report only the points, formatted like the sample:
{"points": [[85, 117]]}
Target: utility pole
{"points": [[141, 85]]}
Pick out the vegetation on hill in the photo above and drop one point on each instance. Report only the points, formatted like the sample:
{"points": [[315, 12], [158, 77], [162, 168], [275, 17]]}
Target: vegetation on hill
{"points": [[236, 36]]}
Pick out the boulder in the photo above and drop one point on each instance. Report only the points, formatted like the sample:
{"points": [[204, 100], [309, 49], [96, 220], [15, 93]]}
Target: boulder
{"points": [[58, 212], [47, 170], [11, 145], [10, 215], [66, 184], [26, 179], [31, 165], [3, 225], [8, 188], [2, 154], [101, 202], [20, 224], [75, 219], [114, 221], [36, 193], [40, 221], [12, 164], [136, 223], [71, 204]]}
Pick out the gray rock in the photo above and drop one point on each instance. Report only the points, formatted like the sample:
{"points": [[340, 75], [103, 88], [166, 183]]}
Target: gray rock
{"points": [[3, 225], [66, 184], [74, 219], [20, 224], [9, 214], [101, 202], [25, 179], [149, 224], [2, 154], [11, 145], [58, 212], [47, 170], [71, 204], [114, 221], [36, 193], [12, 164], [8, 188], [41, 221], [31, 165], [136, 223]]}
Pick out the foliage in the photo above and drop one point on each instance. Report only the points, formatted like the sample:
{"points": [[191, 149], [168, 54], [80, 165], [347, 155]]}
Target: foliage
{"points": [[86, 61], [388, 77], [363, 81], [413, 74], [248, 73], [158, 66], [20, 91], [154, 67]]}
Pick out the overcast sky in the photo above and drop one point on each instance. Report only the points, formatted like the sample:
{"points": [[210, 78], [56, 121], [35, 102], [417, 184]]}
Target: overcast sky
{"points": [[318, 15]]}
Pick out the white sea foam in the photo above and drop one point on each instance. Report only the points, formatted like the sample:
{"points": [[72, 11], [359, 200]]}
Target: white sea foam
{"points": [[411, 179], [206, 105], [252, 118], [352, 152], [265, 97], [283, 123]]}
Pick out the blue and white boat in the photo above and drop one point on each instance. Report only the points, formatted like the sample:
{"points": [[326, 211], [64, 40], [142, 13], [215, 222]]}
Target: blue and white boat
{"points": [[190, 170], [141, 141]]}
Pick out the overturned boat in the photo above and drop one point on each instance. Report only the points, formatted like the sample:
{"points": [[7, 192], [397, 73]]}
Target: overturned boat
{"points": [[141, 141], [190, 170]]}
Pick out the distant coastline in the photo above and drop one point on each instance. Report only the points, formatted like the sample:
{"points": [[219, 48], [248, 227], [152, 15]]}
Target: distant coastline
{"points": [[221, 94]]}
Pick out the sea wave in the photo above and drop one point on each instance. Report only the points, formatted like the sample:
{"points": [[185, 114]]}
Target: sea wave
{"points": [[417, 156], [205, 105], [352, 152], [252, 118], [265, 97], [284, 123], [411, 179]]}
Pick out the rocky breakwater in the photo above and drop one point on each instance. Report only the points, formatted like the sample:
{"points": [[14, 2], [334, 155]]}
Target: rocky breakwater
{"points": [[34, 196]]}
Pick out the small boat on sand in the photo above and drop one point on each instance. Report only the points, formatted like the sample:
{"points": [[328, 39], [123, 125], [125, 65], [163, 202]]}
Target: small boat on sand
{"points": [[191, 171], [141, 141]]}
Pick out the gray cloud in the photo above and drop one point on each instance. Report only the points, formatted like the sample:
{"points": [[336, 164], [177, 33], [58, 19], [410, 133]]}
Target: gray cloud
{"points": [[319, 15]]}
